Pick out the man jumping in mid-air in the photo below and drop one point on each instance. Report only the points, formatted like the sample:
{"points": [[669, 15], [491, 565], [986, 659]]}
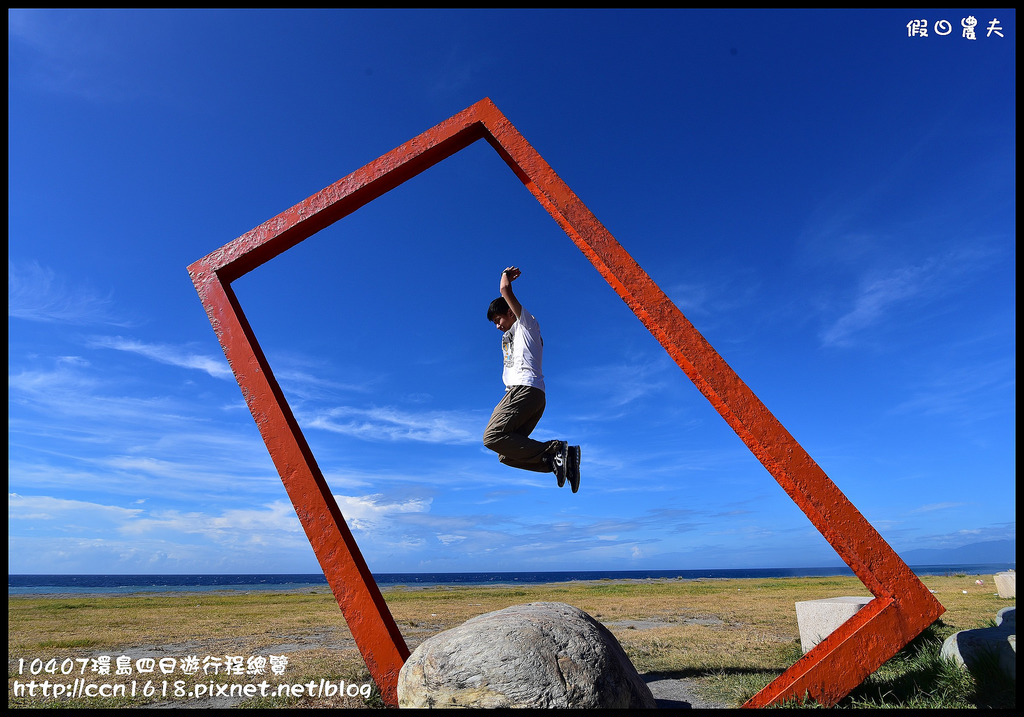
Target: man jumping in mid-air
{"points": [[517, 414]]}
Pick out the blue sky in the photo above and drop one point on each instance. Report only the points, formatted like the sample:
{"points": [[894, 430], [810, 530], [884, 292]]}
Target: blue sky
{"points": [[829, 200]]}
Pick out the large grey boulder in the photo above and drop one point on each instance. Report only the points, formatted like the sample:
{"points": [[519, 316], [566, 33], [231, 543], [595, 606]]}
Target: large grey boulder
{"points": [[543, 654]]}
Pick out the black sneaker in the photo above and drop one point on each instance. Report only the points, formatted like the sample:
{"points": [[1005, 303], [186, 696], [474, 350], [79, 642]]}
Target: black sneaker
{"points": [[560, 462], [572, 470]]}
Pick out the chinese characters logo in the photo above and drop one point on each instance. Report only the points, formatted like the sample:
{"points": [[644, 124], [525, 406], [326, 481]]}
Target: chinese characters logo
{"points": [[941, 28]]}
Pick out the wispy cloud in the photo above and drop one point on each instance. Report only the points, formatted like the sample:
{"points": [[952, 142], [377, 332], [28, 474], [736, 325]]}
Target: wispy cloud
{"points": [[260, 522], [874, 299], [215, 366], [932, 507], [36, 293], [489, 539], [71, 426], [92, 537], [710, 301], [47, 385], [69, 390], [970, 392], [304, 385], [36, 508], [883, 294], [391, 424], [300, 383], [614, 389]]}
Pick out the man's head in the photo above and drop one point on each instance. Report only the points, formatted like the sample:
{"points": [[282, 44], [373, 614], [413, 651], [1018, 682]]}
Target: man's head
{"points": [[499, 314]]}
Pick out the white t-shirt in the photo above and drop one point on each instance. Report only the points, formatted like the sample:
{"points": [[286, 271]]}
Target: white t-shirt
{"points": [[523, 349]]}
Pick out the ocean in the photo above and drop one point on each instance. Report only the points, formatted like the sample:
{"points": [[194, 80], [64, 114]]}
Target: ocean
{"points": [[126, 584]]}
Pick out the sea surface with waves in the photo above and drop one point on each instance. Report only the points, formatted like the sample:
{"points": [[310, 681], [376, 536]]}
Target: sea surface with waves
{"points": [[121, 584]]}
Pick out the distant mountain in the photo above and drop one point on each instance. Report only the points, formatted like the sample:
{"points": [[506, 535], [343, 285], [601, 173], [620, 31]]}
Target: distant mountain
{"points": [[992, 551]]}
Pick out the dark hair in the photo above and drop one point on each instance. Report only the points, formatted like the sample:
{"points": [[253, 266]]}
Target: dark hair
{"points": [[498, 307]]}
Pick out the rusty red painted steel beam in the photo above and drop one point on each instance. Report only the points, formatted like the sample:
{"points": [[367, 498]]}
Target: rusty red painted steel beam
{"points": [[845, 528], [730, 396], [376, 635], [372, 625], [846, 657], [301, 221], [902, 608]]}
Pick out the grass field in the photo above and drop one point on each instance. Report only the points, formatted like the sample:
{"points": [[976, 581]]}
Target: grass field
{"points": [[727, 637]]}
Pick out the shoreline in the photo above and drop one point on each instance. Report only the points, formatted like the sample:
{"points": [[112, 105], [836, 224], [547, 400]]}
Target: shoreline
{"points": [[315, 588]]}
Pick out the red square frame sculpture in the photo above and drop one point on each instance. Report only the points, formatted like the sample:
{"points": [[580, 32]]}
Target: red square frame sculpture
{"points": [[902, 607]]}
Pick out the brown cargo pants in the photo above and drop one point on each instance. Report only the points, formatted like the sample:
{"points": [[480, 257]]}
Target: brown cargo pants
{"points": [[512, 422]]}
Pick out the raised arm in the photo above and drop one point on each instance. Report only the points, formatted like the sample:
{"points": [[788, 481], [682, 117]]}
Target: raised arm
{"points": [[509, 275]]}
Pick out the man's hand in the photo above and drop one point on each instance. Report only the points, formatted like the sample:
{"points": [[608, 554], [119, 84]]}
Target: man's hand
{"points": [[509, 275]]}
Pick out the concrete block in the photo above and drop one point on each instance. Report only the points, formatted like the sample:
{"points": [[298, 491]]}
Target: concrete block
{"points": [[1006, 584], [978, 650], [818, 619]]}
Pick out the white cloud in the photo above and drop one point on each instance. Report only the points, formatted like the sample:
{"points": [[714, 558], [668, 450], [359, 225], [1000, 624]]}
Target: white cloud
{"points": [[67, 392], [138, 555], [874, 299], [47, 387], [46, 508], [70, 402], [35, 293], [228, 526], [273, 525], [215, 366], [883, 293], [619, 387], [967, 391], [932, 507], [373, 512], [390, 424], [235, 525]]}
